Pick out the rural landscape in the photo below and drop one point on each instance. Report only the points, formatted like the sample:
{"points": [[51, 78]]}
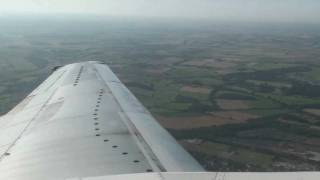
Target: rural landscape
{"points": [[238, 97]]}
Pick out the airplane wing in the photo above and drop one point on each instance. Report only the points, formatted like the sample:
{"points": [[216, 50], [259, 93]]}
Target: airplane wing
{"points": [[82, 123]]}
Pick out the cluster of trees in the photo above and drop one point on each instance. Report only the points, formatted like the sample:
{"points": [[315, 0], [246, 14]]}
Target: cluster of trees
{"points": [[303, 89], [261, 87], [233, 130], [149, 87], [298, 87], [295, 117], [196, 105], [266, 75], [217, 164]]}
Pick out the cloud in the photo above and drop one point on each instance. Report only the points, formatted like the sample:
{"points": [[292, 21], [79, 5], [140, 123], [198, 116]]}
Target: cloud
{"points": [[246, 10]]}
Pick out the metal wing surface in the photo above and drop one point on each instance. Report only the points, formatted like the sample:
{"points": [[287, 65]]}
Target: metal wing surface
{"points": [[83, 122]]}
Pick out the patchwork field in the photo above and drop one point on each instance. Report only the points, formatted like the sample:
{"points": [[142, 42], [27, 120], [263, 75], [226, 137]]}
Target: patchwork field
{"points": [[239, 97]]}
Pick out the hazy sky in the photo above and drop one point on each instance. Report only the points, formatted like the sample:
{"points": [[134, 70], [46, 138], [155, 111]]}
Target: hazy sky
{"points": [[250, 10]]}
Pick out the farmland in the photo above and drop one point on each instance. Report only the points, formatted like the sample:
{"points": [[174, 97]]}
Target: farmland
{"points": [[239, 97]]}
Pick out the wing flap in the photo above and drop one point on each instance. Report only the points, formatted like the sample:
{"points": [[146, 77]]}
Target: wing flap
{"points": [[169, 154]]}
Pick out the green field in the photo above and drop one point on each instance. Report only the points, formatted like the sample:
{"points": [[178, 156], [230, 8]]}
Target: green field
{"points": [[247, 81]]}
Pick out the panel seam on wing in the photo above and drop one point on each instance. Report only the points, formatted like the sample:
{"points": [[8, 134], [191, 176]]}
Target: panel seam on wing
{"points": [[153, 161]]}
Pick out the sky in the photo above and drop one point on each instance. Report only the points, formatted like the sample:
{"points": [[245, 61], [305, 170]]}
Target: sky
{"points": [[232, 10]]}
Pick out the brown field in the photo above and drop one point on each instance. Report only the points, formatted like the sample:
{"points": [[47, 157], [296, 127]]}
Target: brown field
{"points": [[196, 89], [312, 141], [219, 64], [216, 119], [236, 116], [233, 104], [315, 112], [289, 122], [158, 71]]}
